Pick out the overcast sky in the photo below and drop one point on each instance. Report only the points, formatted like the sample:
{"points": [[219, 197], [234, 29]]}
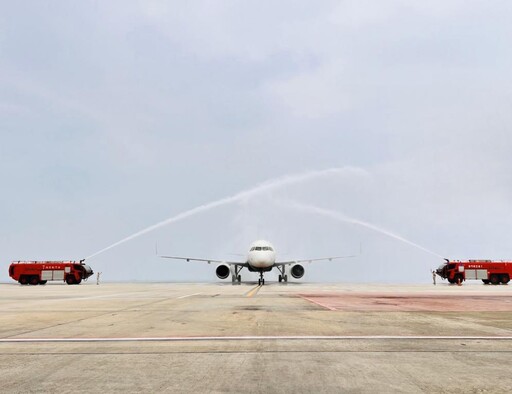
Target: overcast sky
{"points": [[117, 115]]}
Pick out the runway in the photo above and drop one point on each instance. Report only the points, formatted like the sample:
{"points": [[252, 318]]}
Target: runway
{"points": [[274, 338]]}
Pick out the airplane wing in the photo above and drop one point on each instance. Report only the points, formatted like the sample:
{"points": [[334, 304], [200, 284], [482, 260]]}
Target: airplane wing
{"points": [[205, 260], [280, 263]]}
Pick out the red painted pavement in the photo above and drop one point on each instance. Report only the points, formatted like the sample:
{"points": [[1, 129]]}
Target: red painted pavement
{"points": [[365, 302]]}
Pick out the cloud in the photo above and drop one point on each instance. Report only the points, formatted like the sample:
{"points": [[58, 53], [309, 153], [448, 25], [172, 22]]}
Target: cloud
{"points": [[116, 115]]}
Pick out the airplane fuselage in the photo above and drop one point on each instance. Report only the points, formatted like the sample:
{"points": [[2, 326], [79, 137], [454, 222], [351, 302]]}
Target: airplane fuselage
{"points": [[261, 256]]}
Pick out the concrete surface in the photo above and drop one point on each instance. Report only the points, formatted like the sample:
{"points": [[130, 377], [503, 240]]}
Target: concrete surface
{"points": [[164, 337]]}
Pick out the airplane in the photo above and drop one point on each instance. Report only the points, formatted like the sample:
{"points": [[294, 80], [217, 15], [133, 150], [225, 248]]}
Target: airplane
{"points": [[260, 258]]}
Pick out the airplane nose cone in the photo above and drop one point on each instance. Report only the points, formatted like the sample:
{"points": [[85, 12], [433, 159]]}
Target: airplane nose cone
{"points": [[261, 259]]}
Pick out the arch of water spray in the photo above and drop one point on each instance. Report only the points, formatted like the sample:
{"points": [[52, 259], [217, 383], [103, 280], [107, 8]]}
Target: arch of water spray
{"points": [[338, 216], [270, 186]]}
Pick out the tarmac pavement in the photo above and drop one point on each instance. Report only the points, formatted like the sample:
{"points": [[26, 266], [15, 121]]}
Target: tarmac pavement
{"points": [[295, 337]]}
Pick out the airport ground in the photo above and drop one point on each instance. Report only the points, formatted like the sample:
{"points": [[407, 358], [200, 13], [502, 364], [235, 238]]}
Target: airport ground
{"points": [[279, 338]]}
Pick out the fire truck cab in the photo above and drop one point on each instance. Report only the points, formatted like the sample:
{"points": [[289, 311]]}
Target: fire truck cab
{"points": [[494, 272]]}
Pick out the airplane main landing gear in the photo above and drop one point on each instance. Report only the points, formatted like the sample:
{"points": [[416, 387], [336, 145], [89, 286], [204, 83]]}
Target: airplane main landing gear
{"points": [[236, 277], [283, 277]]}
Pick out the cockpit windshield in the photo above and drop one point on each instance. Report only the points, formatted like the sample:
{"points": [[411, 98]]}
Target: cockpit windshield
{"points": [[262, 248]]}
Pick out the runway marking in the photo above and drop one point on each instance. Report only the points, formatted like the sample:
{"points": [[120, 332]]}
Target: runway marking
{"points": [[253, 292], [319, 303], [188, 295], [259, 338], [89, 298]]}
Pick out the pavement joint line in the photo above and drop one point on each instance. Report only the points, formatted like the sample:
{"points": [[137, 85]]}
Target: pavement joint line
{"points": [[115, 311], [188, 295], [90, 298], [318, 303], [259, 338]]}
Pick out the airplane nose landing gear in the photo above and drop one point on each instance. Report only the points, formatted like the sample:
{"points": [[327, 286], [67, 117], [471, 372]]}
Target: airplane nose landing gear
{"points": [[261, 280]]}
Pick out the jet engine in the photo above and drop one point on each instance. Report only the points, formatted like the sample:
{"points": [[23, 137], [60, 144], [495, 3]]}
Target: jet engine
{"points": [[222, 271], [297, 271]]}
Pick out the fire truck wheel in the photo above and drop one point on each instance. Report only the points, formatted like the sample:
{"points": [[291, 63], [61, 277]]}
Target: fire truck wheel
{"points": [[77, 282], [34, 280], [486, 281], [70, 280], [505, 279], [42, 282], [23, 280], [495, 279]]}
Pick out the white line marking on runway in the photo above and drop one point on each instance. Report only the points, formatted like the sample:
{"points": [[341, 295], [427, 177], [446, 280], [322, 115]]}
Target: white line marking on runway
{"points": [[257, 338], [92, 297], [188, 295], [318, 303]]}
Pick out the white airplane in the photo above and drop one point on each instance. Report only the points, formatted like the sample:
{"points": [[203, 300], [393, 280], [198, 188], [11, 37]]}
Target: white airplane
{"points": [[260, 258]]}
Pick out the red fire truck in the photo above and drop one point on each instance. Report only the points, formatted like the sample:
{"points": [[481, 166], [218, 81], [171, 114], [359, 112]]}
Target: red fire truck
{"points": [[40, 272], [494, 272]]}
